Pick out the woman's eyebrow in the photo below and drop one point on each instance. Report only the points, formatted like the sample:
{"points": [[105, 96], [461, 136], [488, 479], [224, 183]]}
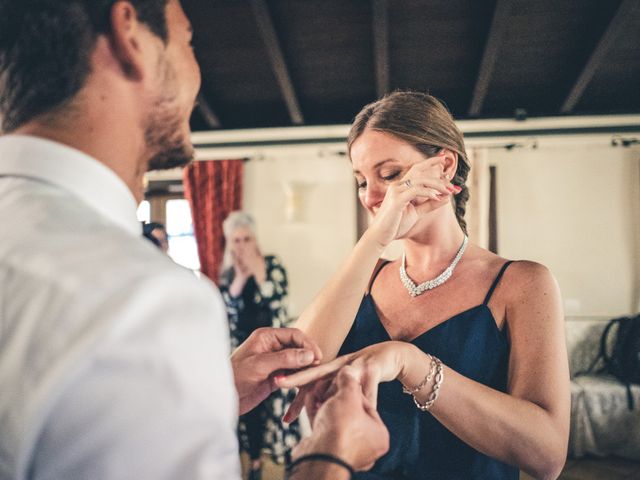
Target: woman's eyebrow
{"points": [[379, 164]]}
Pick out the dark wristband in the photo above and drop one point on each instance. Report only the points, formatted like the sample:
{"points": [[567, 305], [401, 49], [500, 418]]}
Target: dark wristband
{"points": [[322, 457]]}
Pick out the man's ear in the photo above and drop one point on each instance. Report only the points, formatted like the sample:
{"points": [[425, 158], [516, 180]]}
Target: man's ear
{"points": [[450, 163], [127, 37]]}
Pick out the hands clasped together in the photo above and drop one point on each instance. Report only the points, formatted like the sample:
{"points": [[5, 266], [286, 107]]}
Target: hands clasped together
{"points": [[340, 395]]}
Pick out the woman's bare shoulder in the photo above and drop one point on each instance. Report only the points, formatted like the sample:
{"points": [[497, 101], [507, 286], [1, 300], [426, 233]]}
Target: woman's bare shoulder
{"points": [[518, 272], [520, 278], [527, 272], [530, 283]]}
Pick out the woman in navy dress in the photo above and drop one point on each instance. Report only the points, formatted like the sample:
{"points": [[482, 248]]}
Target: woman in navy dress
{"points": [[461, 351]]}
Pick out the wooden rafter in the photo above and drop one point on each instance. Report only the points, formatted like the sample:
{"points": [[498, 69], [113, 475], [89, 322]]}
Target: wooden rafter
{"points": [[274, 52], [381, 45], [207, 112], [490, 55], [616, 25]]}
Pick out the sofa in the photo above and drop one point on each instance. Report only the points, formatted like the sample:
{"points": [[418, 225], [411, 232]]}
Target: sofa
{"points": [[601, 422]]}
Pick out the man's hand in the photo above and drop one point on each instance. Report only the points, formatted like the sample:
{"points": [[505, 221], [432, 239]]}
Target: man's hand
{"points": [[266, 353], [347, 425]]}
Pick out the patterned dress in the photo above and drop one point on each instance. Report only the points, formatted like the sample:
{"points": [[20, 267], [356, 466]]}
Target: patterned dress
{"points": [[263, 306]]}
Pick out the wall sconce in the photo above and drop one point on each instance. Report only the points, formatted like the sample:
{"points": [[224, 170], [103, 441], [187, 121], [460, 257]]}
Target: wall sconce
{"points": [[296, 200]]}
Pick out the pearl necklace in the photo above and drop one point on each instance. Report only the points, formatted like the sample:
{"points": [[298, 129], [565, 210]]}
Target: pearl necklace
{"points": [[415, 290]]}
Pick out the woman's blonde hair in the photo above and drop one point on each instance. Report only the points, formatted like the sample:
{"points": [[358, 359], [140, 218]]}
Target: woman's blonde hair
{"points": [[424, 122]]}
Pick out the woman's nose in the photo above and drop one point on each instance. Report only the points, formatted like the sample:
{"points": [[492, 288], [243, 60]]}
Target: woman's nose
{"points": [[373, 196]]}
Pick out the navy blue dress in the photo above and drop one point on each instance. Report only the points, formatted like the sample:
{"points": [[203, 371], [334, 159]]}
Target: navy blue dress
{"points": [[421, 447]]}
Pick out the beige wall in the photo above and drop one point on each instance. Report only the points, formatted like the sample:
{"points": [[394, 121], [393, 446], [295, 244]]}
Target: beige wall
{"points": [[313, 243], [575, 207]]}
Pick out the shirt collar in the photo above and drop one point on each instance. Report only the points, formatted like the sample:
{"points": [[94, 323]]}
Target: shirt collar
{"points": [[80, 174]]}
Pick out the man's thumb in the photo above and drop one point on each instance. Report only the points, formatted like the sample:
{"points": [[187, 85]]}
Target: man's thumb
{"points": [[287, 359]]}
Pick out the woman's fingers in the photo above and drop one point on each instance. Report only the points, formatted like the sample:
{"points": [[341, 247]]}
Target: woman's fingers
{"points": [[311, 396], [296, 406], [321, 391], [309, 375], [446, 188], [421, 191], [429, 173], [433, 166]]}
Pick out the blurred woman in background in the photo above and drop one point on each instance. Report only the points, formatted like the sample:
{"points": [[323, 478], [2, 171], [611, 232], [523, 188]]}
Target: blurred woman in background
{"points": [[254, 288]]}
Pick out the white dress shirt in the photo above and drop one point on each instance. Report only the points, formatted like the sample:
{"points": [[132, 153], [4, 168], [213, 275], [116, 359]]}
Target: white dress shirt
{"points": [[114, 361]]}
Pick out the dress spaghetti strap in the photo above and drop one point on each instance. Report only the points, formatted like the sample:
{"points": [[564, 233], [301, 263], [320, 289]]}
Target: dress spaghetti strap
{"points": [[496, 281], [379, 267]]}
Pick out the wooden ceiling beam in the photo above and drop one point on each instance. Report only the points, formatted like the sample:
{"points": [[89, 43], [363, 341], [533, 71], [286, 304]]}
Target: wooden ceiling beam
{"points": [[381, 45], [207, 112], [490, 55], [616, 26], [274, 52]]}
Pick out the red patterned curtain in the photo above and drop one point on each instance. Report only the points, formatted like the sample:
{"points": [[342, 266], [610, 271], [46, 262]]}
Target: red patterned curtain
{"points": [[213, 189]]}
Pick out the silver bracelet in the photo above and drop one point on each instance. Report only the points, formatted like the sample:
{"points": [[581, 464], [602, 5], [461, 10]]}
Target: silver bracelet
{"points": [[436, 389], [427, 379], [433, 396]]}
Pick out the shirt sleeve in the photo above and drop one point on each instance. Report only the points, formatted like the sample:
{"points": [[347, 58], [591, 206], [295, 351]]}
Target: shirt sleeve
{"points": [[157, 398]]}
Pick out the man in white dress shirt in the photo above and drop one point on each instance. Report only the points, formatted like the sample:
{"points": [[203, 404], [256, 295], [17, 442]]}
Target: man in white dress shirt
{"points": [[113, 360]]}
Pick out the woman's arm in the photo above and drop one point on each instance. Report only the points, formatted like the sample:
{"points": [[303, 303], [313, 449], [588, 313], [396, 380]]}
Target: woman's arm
{"points": [[329, 317]]}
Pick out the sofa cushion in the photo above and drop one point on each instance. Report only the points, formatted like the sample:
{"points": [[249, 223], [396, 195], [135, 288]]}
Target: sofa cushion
{"points": [[601, 422]]}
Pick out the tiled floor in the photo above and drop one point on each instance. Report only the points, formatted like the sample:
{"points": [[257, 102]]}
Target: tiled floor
{"points": [[583, 469]]}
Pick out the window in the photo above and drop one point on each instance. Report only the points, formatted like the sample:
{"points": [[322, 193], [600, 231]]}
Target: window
{"points": [[165, 203], [182, 243], [144, 212]]}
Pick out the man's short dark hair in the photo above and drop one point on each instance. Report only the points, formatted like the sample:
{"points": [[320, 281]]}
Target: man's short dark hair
{"points": [[45, 49]]}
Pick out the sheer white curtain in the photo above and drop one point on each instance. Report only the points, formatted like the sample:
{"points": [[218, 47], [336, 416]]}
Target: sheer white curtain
{"points": [[479, 183]]}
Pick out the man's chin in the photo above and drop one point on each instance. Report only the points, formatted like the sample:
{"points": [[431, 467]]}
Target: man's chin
{"points": [[176, 157]]}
